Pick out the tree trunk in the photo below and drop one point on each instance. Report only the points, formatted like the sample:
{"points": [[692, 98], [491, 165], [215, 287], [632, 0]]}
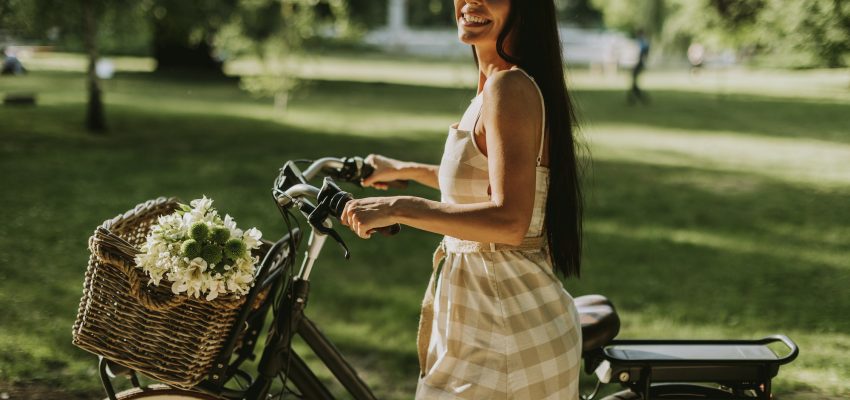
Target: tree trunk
{"points": [[95, 121]]}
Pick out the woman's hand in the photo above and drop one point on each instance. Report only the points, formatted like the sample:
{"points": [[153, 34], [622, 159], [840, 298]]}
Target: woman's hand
{"points": [[386, 170], [364, 215]]}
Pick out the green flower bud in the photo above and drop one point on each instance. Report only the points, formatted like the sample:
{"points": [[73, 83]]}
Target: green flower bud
{"points": [[219, 267], [199, 231], [220, 235], [190, 248], [234, 248], [211, 254]]}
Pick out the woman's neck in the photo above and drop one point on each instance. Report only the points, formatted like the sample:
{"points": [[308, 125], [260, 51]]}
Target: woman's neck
{"points": [[489, 62]]}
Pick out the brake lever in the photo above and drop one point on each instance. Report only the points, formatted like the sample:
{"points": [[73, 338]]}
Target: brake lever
{"points": [[317, 218]]}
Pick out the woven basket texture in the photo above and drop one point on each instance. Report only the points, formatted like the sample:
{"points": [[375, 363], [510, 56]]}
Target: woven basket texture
{"points": [[172, 338]]}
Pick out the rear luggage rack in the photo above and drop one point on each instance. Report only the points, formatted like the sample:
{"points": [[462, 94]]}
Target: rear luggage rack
{"points": [[737, 364]]}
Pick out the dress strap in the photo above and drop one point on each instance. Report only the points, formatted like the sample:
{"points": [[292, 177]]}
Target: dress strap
{"points": [[543, 128]]}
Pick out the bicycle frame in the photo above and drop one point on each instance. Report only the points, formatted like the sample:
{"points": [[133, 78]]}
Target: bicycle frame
{"points": [[278, 354]]}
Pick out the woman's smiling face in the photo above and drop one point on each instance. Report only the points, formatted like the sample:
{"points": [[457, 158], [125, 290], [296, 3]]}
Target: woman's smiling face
{"points": [[480, 21]]}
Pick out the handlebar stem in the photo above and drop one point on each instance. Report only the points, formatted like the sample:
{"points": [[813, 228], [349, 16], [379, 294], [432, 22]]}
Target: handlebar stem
{"points": [[314, 247]]}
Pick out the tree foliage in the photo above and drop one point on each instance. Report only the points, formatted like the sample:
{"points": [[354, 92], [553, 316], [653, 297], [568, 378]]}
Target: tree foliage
{"points": [[274, 32], [579, 12], [183, 32], [803, 33], [632, 15]]}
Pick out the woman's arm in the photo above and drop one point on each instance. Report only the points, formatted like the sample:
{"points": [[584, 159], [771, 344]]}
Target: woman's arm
{"points": [[511, 116], [388, 170]]}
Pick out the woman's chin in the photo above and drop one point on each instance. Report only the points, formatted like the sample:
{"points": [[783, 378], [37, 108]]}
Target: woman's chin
{"points": [[466, 37]]}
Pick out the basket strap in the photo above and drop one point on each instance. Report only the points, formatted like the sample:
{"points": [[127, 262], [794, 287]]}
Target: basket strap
{"points": [[118, 252]]}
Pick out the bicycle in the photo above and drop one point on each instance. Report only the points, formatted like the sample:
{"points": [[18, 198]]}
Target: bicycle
{"points": [[733, 369]]}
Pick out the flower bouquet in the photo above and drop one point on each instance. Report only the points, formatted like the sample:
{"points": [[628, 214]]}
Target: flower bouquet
{"points": [[199, 253]]}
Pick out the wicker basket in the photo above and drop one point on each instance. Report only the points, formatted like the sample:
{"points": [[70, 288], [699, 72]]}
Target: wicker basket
{"points": [[172, 338]]}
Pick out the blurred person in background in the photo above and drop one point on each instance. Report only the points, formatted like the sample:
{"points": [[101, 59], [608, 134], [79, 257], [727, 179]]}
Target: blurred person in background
{"points": [[496, 320], [11, 64], [696, 57], [635, 93]]}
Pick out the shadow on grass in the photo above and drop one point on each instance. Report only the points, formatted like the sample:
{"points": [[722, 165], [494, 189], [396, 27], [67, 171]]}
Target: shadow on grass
{"points": [[665, 246]]}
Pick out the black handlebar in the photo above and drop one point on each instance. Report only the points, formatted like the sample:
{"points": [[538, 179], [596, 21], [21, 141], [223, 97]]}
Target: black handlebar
{"points": [[335, 199]]}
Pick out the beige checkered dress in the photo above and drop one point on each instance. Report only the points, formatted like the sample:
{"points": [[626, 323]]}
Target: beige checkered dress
{"points": [[496, 322]]}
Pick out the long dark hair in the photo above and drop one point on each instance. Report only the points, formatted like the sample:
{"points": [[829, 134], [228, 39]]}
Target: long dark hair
{"points": [[537, 50]]}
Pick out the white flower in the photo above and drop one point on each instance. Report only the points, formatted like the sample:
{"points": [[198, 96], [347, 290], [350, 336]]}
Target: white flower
{"points": [[251, 237], [202, 204], [214, 287], [240, 282], [195, 269], [230, 224]]}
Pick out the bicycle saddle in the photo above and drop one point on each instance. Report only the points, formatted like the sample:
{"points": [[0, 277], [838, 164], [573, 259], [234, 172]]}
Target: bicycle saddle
{"points": [[599, 321]]}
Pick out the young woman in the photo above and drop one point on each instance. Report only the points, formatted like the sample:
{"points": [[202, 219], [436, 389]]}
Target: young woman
{"points": [[496, 321]]}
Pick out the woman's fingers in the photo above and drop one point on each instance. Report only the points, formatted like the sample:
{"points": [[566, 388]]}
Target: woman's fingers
{"points": [[370, 159], [370, 180], [362, 231], [351, 217], [382, 172], [359, 228], [345, 217]]}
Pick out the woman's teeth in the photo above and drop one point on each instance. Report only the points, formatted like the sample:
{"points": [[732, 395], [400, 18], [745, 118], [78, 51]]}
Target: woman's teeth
{"points": [[475, 20]]}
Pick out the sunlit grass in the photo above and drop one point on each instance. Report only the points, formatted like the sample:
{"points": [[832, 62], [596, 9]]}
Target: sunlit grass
{"points": [[798, 160], [72, 62], [707, 216]]}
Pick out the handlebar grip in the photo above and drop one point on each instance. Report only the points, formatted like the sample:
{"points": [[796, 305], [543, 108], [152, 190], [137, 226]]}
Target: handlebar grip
{"points": [[338, 199], [367, 170], [388, 230]]}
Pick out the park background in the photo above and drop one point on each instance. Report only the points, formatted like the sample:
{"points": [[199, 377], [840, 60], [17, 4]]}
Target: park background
{"points": [[718, 210]]}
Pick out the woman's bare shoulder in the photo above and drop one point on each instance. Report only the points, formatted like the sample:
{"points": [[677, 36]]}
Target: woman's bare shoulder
{"points": [[510, 83], [514, 91]]}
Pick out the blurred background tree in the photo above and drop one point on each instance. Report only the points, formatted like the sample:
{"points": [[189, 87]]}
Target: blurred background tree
{"points": [[439, 13], [631, 15], [274, 32], [85, 23], [180, 35], [183, 32], [812, 33], [579, 12]]}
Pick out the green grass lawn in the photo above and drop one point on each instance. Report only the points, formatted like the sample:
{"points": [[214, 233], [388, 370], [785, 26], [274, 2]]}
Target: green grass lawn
{"points": [[710, 213]]}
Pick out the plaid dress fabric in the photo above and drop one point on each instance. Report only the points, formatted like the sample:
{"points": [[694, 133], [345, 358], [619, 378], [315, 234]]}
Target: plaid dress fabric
{"points": [[496, 321]]}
